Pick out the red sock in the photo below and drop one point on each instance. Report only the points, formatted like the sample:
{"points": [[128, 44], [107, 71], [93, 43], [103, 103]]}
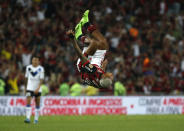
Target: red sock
{"points": [[85, 54], [91, 28]]}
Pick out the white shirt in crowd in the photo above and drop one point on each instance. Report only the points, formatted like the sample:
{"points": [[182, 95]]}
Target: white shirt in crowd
{"points": [[136, 50], [162, 8], [34, 75], [182, 65], [26, 59]]}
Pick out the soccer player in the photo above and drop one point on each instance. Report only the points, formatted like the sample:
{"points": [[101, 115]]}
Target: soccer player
{"points": [[92, 62], [35, 76]]}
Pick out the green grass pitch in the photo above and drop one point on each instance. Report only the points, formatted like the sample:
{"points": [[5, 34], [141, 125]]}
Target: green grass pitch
{"points": [[95, 123]]}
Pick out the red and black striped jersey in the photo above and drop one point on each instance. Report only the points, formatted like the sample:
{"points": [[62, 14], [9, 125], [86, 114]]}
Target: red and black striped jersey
{"points": [[91, 74]]}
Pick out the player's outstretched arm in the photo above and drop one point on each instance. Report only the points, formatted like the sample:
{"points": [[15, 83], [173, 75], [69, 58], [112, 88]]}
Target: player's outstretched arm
{"points": [[83, 58]]}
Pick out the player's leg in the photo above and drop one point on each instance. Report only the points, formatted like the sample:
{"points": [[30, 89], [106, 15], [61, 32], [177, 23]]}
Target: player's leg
{"points": [[28, 106], [101, 39], [37, 109], [102, 42], [93, 46], [79, 36]]}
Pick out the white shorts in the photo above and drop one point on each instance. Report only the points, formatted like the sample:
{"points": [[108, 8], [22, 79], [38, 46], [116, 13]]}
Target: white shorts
{"points": [[96, 59]]}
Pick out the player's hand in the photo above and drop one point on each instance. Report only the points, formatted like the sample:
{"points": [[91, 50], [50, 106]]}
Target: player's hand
{"points": [[70, 33]]}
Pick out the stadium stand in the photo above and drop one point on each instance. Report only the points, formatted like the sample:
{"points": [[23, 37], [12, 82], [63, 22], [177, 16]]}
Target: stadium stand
{"points": [[146, 42]]}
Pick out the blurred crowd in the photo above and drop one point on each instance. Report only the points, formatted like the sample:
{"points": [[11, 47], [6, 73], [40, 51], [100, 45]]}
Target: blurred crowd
{"points": [[145, 37]]}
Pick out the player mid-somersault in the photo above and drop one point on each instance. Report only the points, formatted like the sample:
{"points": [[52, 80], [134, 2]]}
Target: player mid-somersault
{"points": [[91, 63]]}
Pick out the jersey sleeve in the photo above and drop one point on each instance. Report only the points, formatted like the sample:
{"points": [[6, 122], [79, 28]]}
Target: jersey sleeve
{"points": [[27, 72], [42, 74]]}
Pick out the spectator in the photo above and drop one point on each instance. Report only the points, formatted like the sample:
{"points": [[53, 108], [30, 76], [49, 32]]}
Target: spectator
{"points": [[64, 89], [91, 91], [45, 90], [2, 86], [119, 89], [76, 90], [13, 83], [26, 58]]}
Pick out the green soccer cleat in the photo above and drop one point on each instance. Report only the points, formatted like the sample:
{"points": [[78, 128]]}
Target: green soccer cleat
{"points": [[78, 30], [85, 18], [83, 21]]}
